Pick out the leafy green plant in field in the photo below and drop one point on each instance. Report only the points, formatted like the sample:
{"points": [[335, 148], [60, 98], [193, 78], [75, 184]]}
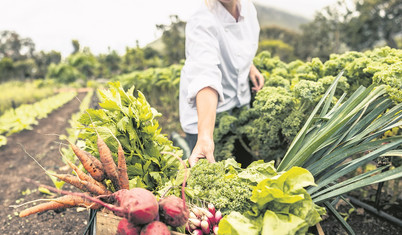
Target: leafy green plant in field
{"points": [[17, 93], [134, 122], [27, 115], [161, 87], [349, 130], [291, 92], [75, 128]]}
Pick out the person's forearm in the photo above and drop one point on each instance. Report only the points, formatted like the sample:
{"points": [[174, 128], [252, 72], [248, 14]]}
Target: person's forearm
{"points": [[207, 101]]}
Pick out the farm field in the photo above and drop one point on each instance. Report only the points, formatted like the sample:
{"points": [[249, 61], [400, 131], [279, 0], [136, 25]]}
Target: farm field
{"points": [[41, 142], [307, 140]]}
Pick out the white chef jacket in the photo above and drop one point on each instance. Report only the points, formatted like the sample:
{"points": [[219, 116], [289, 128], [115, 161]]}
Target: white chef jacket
{"points": [[219, 53]]}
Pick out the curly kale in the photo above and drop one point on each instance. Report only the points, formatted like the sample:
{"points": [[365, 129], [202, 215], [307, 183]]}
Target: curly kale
{"points": [[292, 90], [220, 185], [309, 90]]}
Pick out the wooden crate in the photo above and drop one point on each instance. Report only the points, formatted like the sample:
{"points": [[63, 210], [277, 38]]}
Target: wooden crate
{"points": [[106, 223]]}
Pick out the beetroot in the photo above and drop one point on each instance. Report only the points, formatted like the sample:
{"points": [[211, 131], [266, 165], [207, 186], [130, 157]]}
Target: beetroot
{"points": [[155, 227], [138, 205], [127, 228], [173, 211]]}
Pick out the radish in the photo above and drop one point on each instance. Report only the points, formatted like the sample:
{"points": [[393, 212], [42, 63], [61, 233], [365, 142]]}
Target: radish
{"points": [[192, 215], [173, 211], [195, 222], [127, 228], [211, 208], [197, 212], [209, 216], [198, 232], [155, 227], [218, 217], [215, 229], [205, 226]]}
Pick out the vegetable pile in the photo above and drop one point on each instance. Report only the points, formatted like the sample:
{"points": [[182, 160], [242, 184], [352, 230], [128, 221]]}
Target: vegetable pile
{"points": [[139, 207], [134, 123], [257, 199]]}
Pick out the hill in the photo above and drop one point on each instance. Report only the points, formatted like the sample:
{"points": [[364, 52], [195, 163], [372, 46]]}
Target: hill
{"points": [[267, 16]]}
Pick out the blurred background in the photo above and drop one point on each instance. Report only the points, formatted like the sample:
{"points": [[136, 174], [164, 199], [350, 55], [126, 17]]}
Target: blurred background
{"points": [[123, 36]]}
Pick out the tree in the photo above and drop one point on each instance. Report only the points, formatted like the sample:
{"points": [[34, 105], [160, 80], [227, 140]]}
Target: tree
{"points": [[173, 39], [110, 64], [278, 33], [319, 38], [133, 59], [76, 46], [369, 22], [150, 53], [85, 62], [6, 68], [15, 47], [43, 60], [359, 26], [277, 48], [24, 69], [63, 73]]}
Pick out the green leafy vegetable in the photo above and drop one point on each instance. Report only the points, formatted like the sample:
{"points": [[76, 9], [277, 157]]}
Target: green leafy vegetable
{"points": [[134, 122], [258, 198]]}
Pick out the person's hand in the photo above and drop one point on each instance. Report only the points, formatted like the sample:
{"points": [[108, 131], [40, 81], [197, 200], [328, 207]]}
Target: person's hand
{"points": [[256, 78], [204, 148]]}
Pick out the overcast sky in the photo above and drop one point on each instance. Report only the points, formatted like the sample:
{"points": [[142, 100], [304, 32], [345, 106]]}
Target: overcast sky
{"points": [[100, 24]]}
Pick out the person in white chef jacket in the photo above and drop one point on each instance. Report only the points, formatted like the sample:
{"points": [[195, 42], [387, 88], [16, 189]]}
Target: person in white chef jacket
{"points": [[221, 42]]}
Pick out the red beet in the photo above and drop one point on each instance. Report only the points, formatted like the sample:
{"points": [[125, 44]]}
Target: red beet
{"points": [[138, 205], [127, 228], [172, 211], [155, 227]]}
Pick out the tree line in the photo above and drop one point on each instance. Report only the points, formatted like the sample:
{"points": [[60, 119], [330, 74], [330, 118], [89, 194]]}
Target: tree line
{"points": [[344, 26]]}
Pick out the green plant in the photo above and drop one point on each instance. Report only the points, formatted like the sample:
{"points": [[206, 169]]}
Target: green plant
{"points": [[337, 140], [134, 122]]}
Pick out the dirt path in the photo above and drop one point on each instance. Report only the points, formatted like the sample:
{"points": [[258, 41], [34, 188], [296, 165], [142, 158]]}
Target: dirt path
{"points": [[15, 165]]}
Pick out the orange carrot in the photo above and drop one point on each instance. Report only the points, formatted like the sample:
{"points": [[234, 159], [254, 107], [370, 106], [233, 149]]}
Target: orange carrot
{"points": [[60, 203], [90, 163], [84, 176], [80, 184], [122, 168], [108, 163], [94, 189]]}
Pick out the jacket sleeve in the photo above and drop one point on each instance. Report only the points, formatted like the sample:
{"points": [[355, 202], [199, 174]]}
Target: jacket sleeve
{"points": [[202, 59]]}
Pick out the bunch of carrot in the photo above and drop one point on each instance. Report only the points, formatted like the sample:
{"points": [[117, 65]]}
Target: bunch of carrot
{"points": [[93, 184], [141, 211]]}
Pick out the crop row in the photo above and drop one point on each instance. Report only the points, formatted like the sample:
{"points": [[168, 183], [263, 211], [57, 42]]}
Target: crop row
{"points": [[16, 93], [27, 115]]}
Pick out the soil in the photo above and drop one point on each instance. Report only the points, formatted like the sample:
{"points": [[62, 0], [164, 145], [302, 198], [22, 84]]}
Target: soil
{"points": [[42, 143], [363, 221]]}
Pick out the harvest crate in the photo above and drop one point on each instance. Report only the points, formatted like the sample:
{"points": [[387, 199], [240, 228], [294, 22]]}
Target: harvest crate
{"points": [[106, 223]]}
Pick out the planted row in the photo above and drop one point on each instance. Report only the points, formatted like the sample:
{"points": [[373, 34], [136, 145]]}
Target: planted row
{"points": [[27, 115], [16, 93]]}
